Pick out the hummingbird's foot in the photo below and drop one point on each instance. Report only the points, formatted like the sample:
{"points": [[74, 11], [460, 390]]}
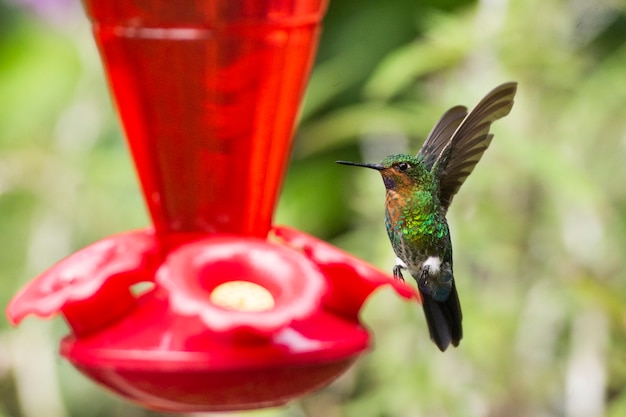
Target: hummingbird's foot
{"points": [[397, 272]]}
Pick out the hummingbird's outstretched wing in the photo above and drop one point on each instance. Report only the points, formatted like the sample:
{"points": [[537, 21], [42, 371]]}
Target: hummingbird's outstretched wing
{"points": [[440, 135], [458, 157]]}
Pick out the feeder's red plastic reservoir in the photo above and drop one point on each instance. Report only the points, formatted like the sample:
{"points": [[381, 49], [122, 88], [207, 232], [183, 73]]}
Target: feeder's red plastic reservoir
{"points": [[208, 91]]}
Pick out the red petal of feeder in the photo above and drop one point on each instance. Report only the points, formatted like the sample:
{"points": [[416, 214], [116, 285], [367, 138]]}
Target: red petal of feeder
{"points": [[191, 273], [96, 278], [351, 280]]}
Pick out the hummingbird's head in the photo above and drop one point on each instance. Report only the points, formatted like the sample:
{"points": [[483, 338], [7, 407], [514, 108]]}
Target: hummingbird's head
{"points": [[399, 171]]}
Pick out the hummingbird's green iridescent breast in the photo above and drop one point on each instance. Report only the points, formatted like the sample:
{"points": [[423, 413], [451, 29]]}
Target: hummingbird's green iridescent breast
{"points": [[415, 220]]}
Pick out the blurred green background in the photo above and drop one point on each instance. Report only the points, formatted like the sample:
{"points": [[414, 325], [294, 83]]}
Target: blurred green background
{"points": [[539, 229]]}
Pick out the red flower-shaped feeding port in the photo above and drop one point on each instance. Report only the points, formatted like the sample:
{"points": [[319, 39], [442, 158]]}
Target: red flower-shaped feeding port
{"points": [[238, 314]]}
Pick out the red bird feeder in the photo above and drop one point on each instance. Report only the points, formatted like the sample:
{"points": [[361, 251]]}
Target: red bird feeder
{"points": [[240, 314]]}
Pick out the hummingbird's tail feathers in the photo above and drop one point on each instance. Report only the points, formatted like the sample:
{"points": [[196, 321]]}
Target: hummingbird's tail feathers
{"points": [[444, 319], [453, 306]]}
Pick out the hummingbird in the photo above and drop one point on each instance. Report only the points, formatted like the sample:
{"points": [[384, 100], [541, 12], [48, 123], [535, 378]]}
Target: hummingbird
{"points": [[419, 190]]}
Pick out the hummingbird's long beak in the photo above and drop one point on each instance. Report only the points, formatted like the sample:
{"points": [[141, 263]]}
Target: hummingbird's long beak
{"points": [[377, 167]]}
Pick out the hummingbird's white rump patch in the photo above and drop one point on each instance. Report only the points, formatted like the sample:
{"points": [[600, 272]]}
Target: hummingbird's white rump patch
{"points": [[433, 263]]}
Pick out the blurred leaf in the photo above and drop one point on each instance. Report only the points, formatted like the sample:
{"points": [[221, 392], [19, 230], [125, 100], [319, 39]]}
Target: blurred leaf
{"points": [[444, 44], [38, 71]]}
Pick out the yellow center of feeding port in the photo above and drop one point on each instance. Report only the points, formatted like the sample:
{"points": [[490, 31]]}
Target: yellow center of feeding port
{"points": [[242, 296]]}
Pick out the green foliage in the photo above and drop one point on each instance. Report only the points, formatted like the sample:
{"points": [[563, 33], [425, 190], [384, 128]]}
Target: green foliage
{"points": [[539, 229]]}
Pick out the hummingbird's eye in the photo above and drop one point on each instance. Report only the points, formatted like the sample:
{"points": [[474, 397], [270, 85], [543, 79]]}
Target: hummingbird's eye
{"points": [[403, 166]]}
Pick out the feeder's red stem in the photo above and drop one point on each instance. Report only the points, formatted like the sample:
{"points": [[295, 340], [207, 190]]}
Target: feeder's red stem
{"points": [[223, 88]]}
